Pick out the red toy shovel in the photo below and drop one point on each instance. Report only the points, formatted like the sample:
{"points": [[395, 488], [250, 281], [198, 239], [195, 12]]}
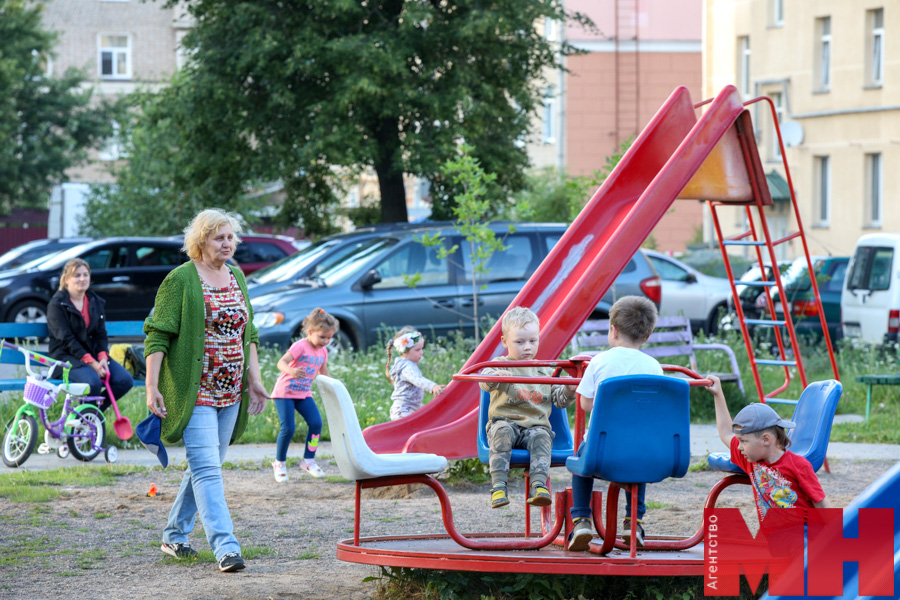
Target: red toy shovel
{"points": [[122, 425]]}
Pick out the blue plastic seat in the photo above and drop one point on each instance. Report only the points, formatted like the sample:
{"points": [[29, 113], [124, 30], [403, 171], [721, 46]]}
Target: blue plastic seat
{"points": [[814, 415], [563, 445], [639, 431]]}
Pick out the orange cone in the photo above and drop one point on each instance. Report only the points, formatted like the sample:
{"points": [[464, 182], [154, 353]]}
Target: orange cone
{"points": [[153, 491]]}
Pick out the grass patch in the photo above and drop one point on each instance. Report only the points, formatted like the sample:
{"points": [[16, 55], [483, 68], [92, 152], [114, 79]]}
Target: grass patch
{"points": [[22, 550], [654, 504], [102, 515], [44, 486], [309, 555], [469, 469], [335, 479], [698, 467]]}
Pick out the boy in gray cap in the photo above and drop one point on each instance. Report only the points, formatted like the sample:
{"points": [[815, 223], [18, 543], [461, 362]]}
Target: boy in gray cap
{"points": [[759, 445]]}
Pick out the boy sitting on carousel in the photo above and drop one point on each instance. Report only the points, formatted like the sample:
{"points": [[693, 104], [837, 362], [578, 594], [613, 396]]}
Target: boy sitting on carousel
{"points": [[519, 413]]}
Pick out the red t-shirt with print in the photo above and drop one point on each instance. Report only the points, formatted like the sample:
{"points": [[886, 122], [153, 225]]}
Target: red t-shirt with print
{"points": [[789, 482]]}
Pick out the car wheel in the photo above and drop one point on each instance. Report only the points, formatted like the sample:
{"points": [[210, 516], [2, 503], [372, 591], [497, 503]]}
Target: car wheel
{"points": [[715, 318], [341, 342], [28, 311]]}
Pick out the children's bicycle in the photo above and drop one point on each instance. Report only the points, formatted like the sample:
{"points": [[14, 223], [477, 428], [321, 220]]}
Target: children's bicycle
{"points": [[80, 429]]}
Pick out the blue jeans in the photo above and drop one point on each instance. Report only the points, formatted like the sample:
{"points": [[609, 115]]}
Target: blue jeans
{"points": [[206, 439], [310, 413], [581, 498], [120, 380]]}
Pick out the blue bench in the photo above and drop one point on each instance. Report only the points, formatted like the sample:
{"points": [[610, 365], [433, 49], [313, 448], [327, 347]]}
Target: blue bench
{"points": [[16, 332]]}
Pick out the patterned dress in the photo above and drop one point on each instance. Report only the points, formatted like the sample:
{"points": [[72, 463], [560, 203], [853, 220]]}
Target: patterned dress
{"points": [[223, 354]]}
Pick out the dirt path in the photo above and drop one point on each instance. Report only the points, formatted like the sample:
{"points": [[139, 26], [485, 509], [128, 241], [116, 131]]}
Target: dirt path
{"points": [[103, 542]]}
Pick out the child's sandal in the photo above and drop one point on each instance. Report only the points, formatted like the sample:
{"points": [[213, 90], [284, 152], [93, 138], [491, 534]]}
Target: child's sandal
{"points": [[540, 495], [498, 496]]}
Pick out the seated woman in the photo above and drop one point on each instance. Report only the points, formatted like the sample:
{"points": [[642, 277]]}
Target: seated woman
{"points": [[77, 324]]}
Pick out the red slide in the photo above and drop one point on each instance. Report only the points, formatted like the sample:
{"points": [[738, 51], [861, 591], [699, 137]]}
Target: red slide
{"points": [[567, 286]]}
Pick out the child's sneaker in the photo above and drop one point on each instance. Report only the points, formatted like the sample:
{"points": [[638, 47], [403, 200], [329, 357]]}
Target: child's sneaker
{"points": [[179, 551], [231, 562], [638, 532], [312, 468], [498, 496], [540, 495], [280, 469], [581, 536]]}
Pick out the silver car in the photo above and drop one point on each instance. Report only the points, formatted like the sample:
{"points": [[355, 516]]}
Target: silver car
{"points": [[689, 293]]}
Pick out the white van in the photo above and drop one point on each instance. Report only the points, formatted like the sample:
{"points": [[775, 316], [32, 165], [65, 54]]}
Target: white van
{"points": [[870, 300]]}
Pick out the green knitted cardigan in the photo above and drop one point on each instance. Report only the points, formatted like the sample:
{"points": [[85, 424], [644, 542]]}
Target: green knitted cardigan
{"points": [[177, 328]]}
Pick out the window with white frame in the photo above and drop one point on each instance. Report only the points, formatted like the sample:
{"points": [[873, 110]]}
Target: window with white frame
{"points": [[777, 13], [823, 190], [873, 189], [550, 29], [823, 54], [113, 148], [774, 147], [743, 66], [549, 115], [875, 47], [115, 56]]}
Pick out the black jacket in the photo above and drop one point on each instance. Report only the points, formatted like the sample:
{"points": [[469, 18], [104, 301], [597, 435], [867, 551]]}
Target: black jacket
{"points": [[69, 338]]}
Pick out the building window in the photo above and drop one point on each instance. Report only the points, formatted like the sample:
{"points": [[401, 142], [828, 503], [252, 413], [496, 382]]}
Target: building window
{"points": [[743, 66], [115, 56], [550, 30], [823, 54], [113, 148], [549, 115], [823, 190], [775, 148], [875, 47], [873, 189], [777, 13]]}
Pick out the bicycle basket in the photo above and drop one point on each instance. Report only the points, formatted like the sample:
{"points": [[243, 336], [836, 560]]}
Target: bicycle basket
{"points": [[39, 393]]}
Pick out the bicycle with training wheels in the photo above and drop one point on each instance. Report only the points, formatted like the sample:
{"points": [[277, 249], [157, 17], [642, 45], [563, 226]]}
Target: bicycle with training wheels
{"points": [[79, 430]]}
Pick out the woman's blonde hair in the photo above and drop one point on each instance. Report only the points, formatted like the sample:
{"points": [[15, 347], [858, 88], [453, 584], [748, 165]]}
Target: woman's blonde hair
{"points": [[206, 223], [70, 268]]}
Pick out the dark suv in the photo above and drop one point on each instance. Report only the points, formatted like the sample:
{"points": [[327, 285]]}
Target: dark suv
{"points": [[125, 271], [368, 292]]}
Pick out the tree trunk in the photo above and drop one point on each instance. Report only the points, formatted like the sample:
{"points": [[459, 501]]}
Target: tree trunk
{"points": [[390, 173]]}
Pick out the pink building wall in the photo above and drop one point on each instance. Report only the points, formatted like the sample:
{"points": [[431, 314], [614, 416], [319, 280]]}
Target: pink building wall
{"points": [[669, 34]]}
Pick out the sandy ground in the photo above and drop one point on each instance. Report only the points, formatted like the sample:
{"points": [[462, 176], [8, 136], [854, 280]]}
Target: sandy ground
{"points": [[103, 542]]}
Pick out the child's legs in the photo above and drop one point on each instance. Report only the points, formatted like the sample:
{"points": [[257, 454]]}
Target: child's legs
{"points": [[501, 436], [539, 442], [582, 488], [310, 413], [641, 507], [285, 407]]}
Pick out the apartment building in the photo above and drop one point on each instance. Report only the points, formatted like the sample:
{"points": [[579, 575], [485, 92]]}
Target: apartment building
{"points": [[832, 70]]}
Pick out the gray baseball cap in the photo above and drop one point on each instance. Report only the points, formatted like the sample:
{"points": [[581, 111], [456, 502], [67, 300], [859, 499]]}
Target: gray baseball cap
{"points": [[757, 417]]}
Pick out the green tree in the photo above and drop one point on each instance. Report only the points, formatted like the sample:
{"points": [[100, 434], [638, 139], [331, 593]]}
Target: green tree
{"points": [[472, 207], [313, 91], [47, 123]]}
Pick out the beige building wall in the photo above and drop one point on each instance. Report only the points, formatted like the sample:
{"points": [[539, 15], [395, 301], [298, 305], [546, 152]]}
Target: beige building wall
{"points": [[847, 118]]}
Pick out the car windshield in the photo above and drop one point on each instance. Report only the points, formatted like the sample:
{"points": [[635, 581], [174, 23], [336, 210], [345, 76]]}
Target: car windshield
{"points": [[289, 266], [350, 264]]}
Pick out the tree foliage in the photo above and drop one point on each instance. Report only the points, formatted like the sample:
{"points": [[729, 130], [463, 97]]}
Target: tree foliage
{"points": [[312, 93], [47, 123]]}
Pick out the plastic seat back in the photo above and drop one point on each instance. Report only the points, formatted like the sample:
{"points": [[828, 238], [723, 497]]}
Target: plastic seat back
{"points": [[814, 415], [563, 444], [347, 442], [639, 431]]}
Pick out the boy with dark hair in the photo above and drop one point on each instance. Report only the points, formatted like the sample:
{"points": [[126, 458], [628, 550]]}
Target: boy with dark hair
{"points": [[631, 321]]}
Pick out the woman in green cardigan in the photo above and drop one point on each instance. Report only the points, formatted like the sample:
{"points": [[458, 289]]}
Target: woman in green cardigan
{"points": [[203, 379]]}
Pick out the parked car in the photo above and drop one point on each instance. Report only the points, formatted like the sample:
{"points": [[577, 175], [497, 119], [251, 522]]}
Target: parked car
{"points": [[257, 251], [870, 302], [367, 291], [125, 271], [689, 293], [830, 273], [36, 249]]}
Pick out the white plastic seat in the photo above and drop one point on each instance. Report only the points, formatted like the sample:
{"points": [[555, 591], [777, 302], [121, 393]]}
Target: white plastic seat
{"points": [[76, 389], [355, 459]]}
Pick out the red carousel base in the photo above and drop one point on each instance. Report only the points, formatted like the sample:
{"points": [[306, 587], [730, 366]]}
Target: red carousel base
{"points": [[439, 551]]}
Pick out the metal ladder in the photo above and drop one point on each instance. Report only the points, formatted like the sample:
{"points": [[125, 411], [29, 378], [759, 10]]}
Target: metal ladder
{"points": [[762, 244]]}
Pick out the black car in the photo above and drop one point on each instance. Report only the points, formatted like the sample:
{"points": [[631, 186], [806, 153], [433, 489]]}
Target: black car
{"points": [[125, 271]]}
